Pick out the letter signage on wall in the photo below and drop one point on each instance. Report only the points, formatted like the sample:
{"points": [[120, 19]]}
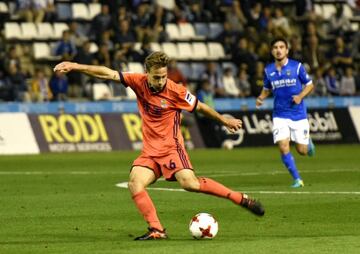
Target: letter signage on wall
{"points": [[96, 132], [326, 126], [71, 132]]}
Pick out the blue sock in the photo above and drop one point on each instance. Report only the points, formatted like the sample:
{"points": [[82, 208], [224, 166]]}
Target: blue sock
{"points": [[289, 163]]}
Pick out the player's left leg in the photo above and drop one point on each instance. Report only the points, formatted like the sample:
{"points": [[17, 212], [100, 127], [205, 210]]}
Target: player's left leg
{"points": [[301, 149], [304, 149], [140, 178], [282, 135], [300, 133], [189, 182], [288, 160]]}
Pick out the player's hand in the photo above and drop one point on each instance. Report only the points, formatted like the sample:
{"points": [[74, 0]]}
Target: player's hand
{"points": [[65, 67], [233, 124], [259, 102], [297, 99]]}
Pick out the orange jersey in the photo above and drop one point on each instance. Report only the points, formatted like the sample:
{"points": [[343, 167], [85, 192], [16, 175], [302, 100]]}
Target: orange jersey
{"points": [[160, 113]]}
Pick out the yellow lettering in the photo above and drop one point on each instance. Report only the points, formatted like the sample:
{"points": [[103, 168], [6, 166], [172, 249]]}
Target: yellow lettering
{"points": [[133, 126], [50, 128], [100, 124], [74, 128], [67, 121], [88, 128]]}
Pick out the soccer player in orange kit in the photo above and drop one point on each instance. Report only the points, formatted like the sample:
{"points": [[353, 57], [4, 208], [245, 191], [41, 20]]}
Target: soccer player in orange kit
{"points": [[160, 102]]}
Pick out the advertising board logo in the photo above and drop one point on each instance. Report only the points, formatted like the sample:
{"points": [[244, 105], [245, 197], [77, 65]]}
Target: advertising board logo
{"points": [[324, 127], [252, 125], [133, 124], [324, 123], [81, 132]]}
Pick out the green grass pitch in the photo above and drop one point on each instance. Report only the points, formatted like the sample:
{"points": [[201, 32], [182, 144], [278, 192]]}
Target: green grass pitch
{"points": [[69, 203]]}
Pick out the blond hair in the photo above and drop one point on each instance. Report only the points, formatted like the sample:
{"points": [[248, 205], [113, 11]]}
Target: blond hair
{"points": [[156, 60]]}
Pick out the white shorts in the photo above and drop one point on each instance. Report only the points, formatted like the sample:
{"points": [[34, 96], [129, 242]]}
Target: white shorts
{"points": [[297, 131]]}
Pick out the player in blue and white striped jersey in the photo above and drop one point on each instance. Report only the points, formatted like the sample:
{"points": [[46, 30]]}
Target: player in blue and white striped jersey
{"points": [[290, 84]]}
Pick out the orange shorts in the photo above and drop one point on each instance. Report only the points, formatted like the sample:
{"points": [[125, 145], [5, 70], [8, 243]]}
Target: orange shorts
{"points": [[167, 165]]}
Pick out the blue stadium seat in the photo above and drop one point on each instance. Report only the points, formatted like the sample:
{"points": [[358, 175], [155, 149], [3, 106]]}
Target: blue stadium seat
{"points": [[197, 69], [215, 30], [202, 29], [234, 68], [185, 68], [64, 11]]}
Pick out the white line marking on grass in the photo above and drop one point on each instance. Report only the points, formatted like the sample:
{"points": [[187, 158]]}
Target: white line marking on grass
{"points": [[125, 185], [281, 172], [59, 173], [223, 173], [307, 192]]}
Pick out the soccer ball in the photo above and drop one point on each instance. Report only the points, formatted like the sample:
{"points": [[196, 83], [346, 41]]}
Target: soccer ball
{"points": [[203, 226], [228, 144]]}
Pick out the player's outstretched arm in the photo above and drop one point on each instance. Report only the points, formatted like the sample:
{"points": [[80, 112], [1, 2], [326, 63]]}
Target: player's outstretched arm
{"points": [[231, 123], [92, 70]]}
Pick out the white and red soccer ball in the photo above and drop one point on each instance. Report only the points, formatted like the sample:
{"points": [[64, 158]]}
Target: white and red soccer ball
{"points": [[203, 226]]}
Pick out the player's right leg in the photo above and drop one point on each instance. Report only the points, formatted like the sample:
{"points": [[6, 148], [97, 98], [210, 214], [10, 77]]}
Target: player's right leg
{"points": [[289, 162], [189, 182], [300, 133], [140, 178], [281, 135]]}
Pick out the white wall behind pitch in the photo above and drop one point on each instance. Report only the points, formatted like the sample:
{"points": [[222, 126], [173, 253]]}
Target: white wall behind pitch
{"points": [[16, 134], [355, 116]]}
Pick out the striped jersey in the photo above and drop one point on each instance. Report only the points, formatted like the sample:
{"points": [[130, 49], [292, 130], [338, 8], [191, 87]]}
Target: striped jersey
{"points": [[160, 113]]}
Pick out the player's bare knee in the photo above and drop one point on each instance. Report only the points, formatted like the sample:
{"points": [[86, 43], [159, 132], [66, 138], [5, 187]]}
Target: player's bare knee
{"points": [[302, 150], [284, 147], [190, 184], [135, 186], [131, 185]]}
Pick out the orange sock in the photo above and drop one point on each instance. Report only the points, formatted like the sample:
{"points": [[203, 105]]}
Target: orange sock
{"points": [[146, 207], [212, 187]]}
